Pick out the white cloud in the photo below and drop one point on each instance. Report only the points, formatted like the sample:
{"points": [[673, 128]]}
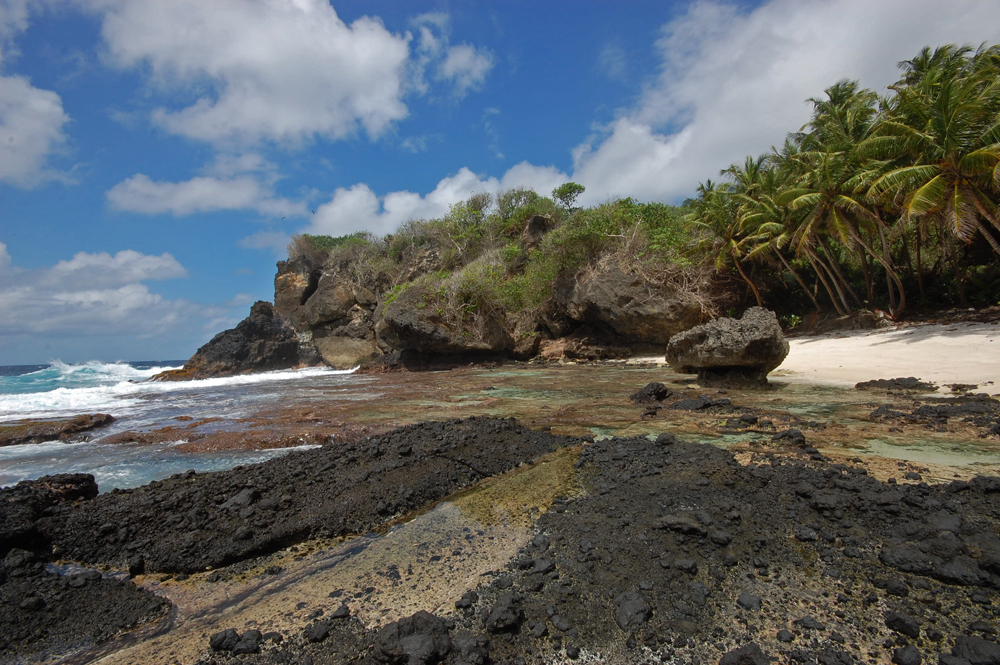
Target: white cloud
{"points": [[93, 294], [31, 119], [99, 270], [358, 208], [612, 62], [466, 67], [275, 240], [283, 71], [733, 83], [201, 194]]}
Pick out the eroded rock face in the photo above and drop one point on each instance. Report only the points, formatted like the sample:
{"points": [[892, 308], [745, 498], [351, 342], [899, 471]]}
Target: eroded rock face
{"points": [[413, 322], [293, 284], [626, 306], [730, 351], [259, 343], [332, 317]]}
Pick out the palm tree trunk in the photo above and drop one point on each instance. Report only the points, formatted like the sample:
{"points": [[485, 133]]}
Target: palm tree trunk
{"points": [[889, 271], [840, 275], [842, 307], [756, 293], [984, 212], [798, 279], [920, 266], [989, 236]]}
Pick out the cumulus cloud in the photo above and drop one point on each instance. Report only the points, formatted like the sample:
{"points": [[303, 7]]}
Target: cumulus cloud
{"points": [[92, 294], [31, 119], [464, 66], [282, 71], [232, 182], [99, 270], [733, 83], [358, 208], [202, 194]]}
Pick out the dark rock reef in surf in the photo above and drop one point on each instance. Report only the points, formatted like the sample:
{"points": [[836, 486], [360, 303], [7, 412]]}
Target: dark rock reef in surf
{"points": [[68, 430]]}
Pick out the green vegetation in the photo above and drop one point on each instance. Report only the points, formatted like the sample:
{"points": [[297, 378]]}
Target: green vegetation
{"points": [[875, 203], [875, 198]]}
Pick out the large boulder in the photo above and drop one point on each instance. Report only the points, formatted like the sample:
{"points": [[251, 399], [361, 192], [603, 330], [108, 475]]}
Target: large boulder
{"points": [[259, 343], [635, 312], [730, 351], [415, 320]]}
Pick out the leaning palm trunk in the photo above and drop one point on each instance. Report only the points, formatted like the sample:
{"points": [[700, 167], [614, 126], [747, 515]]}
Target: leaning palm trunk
{"points": [[982, 229], [841, 306], [840, 275], [887, 265], [798, 279], [756, 293]]}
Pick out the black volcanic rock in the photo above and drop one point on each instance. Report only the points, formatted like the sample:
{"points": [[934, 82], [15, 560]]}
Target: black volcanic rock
{"points": [[259, 343]]}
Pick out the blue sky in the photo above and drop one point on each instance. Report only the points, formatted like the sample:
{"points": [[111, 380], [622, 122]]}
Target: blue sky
{"points": [[155, 155]]}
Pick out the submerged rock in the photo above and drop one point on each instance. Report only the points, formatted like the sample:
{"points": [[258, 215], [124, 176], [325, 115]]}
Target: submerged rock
{"points": [[730, 351], [19, 432]]}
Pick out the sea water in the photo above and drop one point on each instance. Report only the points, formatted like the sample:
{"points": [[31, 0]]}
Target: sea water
{"points": [[123, 389]]}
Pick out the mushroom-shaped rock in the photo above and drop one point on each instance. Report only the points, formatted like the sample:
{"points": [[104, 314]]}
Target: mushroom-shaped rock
{"points": [[730, 351]]}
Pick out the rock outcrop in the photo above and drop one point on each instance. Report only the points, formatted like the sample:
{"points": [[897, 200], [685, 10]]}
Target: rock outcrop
{"points": [[730, 351], [414, 321], [627, 307], [332, 317], [259, 343]]}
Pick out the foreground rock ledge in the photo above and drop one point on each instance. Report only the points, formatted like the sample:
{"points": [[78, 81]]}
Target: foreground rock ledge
{"points": [[730, 352]]}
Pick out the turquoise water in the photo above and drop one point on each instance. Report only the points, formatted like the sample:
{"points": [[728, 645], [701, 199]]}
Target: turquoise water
{"points": [[123, 390]]}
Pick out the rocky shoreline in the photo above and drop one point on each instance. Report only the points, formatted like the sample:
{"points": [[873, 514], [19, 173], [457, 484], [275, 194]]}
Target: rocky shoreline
{"points": [[672, 551]]}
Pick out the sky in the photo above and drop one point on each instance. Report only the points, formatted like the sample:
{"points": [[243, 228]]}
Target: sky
{"points": [[156, 155]]}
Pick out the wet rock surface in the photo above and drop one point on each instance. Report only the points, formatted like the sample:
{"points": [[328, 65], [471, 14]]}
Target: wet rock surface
{"points": [[69, 430], [674, 552], [979, 411], [730, 352], [908, 384]]}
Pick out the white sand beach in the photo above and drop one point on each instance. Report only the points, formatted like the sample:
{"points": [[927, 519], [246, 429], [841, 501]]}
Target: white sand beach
{"points": [[966, 353]]}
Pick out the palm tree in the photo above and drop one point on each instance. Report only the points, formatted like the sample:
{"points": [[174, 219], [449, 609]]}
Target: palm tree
{"points": [[943, 130], [715, 211], [827, 191]]}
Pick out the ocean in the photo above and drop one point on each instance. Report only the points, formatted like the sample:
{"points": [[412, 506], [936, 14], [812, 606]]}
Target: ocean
{"points": [[123, 389]]}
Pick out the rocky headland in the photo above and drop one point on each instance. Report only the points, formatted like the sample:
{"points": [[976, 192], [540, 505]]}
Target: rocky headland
{"points": [[325, 314]]}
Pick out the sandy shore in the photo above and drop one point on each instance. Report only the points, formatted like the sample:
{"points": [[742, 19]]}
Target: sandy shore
{"points": [[966, 353]]}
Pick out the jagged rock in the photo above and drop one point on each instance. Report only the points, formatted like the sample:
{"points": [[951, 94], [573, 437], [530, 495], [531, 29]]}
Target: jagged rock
{"points": [[730, 351], [750, 654], [636, 312], [22, 505], [415, 321], [417, 639], [294, 282], [259, 343]]}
